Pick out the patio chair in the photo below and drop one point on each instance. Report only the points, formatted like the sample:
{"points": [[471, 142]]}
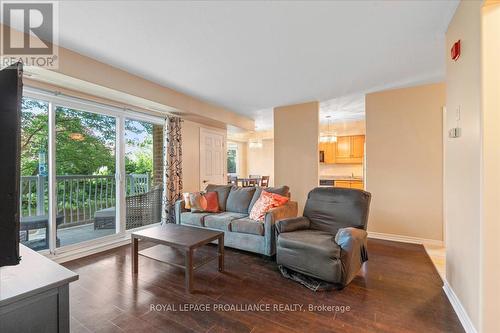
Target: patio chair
{"points": [[141, 209]]}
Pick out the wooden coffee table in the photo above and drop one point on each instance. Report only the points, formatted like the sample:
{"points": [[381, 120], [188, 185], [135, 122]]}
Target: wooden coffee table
{"points": [[183, 238]]}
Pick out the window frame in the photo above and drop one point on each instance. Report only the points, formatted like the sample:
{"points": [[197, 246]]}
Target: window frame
{"points": [[234, 146], [54, 100]]}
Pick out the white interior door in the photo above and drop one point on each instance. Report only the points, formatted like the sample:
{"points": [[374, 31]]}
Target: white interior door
{"points": [[213, 158]]}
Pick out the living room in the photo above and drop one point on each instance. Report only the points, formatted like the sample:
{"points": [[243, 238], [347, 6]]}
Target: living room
{"points": [[172, 165]]}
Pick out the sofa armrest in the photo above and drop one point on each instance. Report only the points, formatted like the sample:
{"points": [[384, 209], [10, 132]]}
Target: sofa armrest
{"points": [[292, 224], [274, 215], [282, 212], [179, 208], [353, 243]]}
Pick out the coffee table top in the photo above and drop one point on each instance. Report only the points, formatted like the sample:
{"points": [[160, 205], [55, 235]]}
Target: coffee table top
{"points": [[177, 235]]}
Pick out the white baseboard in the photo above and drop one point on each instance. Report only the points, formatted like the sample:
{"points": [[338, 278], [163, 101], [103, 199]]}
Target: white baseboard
{"points": [[459, 309], [404, 239]]}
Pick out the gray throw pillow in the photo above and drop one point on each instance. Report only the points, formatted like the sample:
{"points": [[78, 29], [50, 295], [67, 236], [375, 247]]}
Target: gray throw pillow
{"points": [[239, 199], [222, 193]]}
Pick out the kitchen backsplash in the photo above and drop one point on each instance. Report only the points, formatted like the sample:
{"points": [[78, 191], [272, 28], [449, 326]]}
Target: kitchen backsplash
{"points": [[341, 170]]}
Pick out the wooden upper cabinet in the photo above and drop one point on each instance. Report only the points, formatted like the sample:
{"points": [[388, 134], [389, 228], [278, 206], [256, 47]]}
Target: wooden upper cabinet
{"points": [[350, 149], [357, 146], [343, 147], [328, 150]]}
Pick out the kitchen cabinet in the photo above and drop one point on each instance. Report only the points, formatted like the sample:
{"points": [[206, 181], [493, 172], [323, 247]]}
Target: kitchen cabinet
{"points": [[357, 184], [342, 183], [327, 152], [343, 150], [350, 149]]}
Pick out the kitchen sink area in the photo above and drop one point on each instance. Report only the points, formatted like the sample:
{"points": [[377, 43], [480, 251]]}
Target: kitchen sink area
{"points": [[342, 181]]}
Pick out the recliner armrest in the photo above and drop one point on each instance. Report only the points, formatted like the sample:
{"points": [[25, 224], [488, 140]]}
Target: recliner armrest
{"points": [[353, 243], [292, 224], [272, 216]]}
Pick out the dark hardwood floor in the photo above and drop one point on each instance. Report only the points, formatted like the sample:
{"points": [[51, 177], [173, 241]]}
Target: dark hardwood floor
{"points": [[398, 290]]}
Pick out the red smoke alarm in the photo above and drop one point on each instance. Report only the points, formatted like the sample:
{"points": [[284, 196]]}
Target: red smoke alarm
{"points": [[455, 51]]}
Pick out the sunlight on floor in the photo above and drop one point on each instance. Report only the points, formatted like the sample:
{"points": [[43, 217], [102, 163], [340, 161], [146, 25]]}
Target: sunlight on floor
{"points": [[438, 257]]}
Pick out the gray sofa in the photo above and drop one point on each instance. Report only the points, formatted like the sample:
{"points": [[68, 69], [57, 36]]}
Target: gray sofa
{"points": [[235, 204], [329, 241]]}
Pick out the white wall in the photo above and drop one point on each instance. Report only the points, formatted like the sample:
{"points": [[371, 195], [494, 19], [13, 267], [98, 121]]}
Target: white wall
{"points": [[260, 161], [463, 158]]}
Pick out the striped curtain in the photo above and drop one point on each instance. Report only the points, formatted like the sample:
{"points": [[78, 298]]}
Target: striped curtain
{"points": [[172, 167]]}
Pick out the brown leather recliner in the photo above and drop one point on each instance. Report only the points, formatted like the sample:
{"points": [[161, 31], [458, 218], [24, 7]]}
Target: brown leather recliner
{"points": [[329, 241]]}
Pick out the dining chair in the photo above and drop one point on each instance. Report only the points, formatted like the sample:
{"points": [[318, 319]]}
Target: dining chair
{"points": [[232, 180], [264, 181], [253, 180]]}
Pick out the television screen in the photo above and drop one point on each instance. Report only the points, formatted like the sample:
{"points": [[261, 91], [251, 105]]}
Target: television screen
{"points": [[11, 89]]}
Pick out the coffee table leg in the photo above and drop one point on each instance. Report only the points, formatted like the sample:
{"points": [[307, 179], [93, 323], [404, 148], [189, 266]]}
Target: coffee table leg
{"points": [[221, 253], [189, 270], [135, 255]]}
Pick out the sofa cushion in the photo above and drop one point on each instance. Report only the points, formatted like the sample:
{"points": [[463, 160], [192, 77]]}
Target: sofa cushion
{"points": [[282, 190], [222, 221], [222, 193], [247, 226], [239, 199], [196, 219], [310, 243]]}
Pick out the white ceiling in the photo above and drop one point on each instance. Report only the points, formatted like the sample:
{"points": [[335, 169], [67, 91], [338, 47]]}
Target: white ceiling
{"points": [[252, 56]]}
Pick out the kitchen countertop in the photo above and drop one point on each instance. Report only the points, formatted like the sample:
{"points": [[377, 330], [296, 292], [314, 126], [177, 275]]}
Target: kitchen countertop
{"points": [[340, 178]]}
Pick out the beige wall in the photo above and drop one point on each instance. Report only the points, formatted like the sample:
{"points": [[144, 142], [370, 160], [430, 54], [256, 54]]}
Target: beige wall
{"points": [[296, 132], [191, 155], [463, 158], [490, 246], [260, 161], [404, 161]]}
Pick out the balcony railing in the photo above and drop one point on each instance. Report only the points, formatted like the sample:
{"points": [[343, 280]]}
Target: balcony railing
{"points": [[78, 197]]}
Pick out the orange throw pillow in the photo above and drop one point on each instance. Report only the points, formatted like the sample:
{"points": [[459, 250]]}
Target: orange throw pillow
{"points": [[204, 202], [266, 202], [261, 207], [212, 202], [279, 200]]}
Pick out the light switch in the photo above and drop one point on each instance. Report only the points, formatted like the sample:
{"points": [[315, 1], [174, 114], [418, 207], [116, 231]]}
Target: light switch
{"points": [[455, 132]]}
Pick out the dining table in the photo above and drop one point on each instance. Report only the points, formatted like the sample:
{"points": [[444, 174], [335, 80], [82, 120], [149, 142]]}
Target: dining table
{"points": [[249, 181]]}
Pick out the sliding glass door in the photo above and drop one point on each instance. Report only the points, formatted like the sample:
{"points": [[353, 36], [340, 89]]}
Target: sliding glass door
{"points": [[105, 174], [85, 175], [143, 164], [34, 200]]}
